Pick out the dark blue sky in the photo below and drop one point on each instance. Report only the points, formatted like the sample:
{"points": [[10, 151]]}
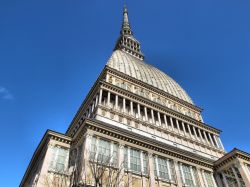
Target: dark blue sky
{"points": [[51, 52]]}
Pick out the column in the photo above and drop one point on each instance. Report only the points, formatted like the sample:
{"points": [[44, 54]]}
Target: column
{"points": [[177, 174], [209, 135], [108, 101], [124, 105], [157, 166], [192, 173], [168, 168], [195, 134], [216, 143], [204, 178], [215, 184], [121, 165], [244, 172], [96, 100], [204, 133], [221, 143], [152, 115], [159, 118], [151, 170], [86, 150], [172, 125], [116, 101], [224, 180], [201, 178], [100, 96], [199, 130], [165, 121], [111, 151], [218, 179], [146, 113], [128, 158], [178, 126], [131, 108], [139, 110], [190, 133], [182, 174], [184, 129], [142, 170]]}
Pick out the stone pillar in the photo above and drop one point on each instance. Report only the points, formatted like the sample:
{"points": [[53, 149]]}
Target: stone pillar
{"points": [[204, 133], [192, 173], [108, 101], [201, 177], [178, 126], [96, 100], [151, 170], [86, 147], [199, 130], [131, 108], [218, 180], [236, 176], [121, 165], [221, 143], [195, 134], [124, 105], [116, 101], [244, 172], [172, 125], [177, 174], [224, 180], [215, 184], [184, 129], [209, 135], [100, 96], [165, 121], [139, 110], [152, 115], [142, 170], [168, 168], [189, 129], [146, 113], [216, 143], [182, 174], [159, 118], [157, 166]]}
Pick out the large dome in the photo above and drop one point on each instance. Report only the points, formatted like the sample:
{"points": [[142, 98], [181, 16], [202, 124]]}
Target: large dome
{"points": [[134, 67]]}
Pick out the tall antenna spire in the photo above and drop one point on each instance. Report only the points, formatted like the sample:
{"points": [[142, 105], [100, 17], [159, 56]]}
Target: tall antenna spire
{"points": [[126, 41]]}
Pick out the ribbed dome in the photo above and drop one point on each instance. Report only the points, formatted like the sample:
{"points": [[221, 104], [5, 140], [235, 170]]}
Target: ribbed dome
{"points": [[134, 67]]}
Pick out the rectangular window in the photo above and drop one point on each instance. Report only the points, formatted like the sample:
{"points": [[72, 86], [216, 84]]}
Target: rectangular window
{"points": [[59, 159], [187, 175], [209, 179], [145, 163], [101, 151], [104, 152], [135, 161], [164, 168]]}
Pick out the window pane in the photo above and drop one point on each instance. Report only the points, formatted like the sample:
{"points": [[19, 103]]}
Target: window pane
{"points": [[209, 179]]}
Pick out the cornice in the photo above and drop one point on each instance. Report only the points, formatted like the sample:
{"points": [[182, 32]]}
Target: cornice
{"points": [[232, 155]]}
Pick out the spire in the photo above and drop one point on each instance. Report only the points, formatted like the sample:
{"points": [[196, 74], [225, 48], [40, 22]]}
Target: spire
{"points": [[126, 41], [126, 30]]}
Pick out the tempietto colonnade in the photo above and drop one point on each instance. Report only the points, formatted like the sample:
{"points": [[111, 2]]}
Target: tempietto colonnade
{"points": [[133, 113]]}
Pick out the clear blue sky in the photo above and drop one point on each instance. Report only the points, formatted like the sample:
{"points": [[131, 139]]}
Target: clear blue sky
{"points": [[51, 52]]}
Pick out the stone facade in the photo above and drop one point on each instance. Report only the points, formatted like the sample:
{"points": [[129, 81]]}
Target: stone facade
{"points": [[139, 128]]}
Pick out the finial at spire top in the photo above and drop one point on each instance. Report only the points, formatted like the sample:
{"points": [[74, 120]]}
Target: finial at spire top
{"points": [[126, 41]]}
